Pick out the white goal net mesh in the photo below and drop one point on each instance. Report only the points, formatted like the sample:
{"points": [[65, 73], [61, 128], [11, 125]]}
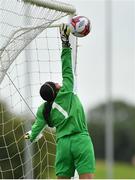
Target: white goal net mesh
{"points": [[29, 56]]}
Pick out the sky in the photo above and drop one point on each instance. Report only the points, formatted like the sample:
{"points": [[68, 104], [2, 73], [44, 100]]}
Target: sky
{"points": [[92, 84]]}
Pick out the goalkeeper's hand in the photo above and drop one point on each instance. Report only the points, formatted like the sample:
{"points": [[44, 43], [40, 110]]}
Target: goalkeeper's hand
{"points": [[27, 135], [64, 34]]}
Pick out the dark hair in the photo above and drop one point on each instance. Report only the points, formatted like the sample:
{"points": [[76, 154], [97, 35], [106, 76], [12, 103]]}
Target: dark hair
{"points": [[48, 91], [46, 113]]}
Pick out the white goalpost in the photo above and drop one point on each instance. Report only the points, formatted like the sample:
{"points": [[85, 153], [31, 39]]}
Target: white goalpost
{"points": [[30, 49]]}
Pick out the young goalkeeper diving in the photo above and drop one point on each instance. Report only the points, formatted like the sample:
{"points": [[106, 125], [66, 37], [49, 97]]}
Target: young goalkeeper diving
{"points": [[64, 111]]}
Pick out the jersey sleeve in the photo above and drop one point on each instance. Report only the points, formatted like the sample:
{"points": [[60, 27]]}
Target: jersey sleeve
{"points": [[62, 104], [39, 124], [67, 69]]}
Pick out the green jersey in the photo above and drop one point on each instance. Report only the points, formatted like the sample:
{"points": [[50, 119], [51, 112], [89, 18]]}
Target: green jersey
{"points": [[67, 113]]}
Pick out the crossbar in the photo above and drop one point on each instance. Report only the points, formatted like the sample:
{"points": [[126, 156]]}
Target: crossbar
{"points": [[55, 5]]}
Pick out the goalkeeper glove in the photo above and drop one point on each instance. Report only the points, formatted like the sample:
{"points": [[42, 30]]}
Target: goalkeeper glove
{"points": [[64, 34], [27, 135]]}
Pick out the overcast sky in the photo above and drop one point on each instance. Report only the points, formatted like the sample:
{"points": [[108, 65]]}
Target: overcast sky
{"points": [[91, 52]]}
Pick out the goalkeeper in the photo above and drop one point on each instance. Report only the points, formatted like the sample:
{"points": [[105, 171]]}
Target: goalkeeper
{"points": [[64, 111]]}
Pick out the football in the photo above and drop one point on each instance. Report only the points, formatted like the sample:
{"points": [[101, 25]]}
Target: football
{"points": [[80, 26]]}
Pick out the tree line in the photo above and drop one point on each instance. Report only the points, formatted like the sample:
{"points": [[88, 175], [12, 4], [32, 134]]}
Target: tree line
{"points": [[123, 117]]}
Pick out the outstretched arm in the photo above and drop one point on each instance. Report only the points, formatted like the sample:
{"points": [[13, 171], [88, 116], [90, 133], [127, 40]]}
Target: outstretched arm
{"points": [[66, 58], [37, 127]]}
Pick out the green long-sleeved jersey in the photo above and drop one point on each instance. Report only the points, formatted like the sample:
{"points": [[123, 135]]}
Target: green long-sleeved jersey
{"points": [[67, 113]]}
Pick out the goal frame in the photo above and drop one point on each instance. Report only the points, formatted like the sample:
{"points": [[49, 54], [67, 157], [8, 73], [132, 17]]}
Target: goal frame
{"points": [[55, 5]]}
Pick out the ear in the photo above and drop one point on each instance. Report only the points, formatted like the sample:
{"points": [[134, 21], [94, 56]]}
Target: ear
{"points": [[57, 85]]}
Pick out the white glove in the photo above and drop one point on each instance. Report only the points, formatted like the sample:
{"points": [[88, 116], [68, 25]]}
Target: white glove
{"points": [[27, 136]]}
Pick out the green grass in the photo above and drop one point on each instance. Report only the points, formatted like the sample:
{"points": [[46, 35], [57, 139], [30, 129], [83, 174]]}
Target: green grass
{"points": [[121, 171]]}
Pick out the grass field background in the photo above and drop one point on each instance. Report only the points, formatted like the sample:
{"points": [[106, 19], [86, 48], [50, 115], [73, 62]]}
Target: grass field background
{"points": [[121, 170]]}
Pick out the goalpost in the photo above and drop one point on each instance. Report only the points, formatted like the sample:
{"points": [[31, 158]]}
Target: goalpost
{"points": [[30, 49]]}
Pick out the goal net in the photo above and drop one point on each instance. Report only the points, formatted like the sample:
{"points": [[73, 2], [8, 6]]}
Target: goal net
{"points": [[29, 55]]}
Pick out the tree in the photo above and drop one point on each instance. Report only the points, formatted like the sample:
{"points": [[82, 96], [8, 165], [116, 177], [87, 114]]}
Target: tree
{"points": [[124, 130]]}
